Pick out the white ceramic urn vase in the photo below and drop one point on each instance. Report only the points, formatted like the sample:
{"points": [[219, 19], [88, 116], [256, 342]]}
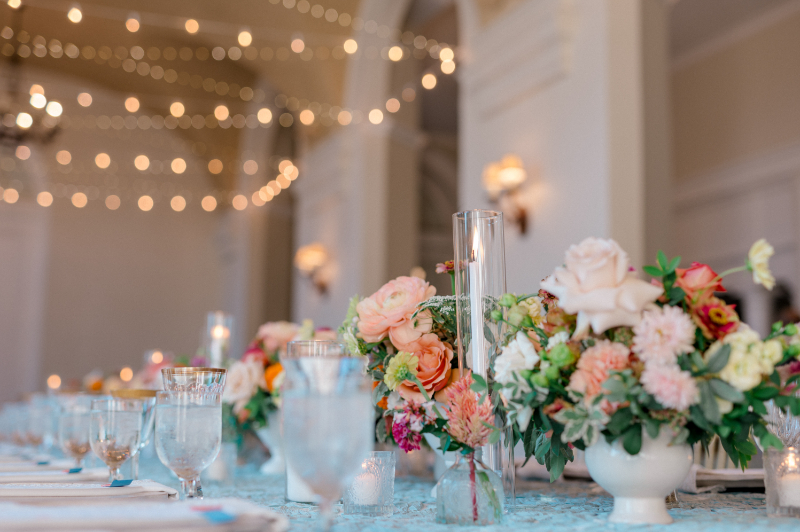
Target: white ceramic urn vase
{"points": [[640, 483], [270, 435]]}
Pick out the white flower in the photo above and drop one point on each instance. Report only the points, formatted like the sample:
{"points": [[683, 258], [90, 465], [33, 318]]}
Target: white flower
{"points": [[758, 263], [533, 307], [743, 371], [662, 335], [519, 354], [596, 284], [242, 383], [561, 337], [771, 353], [749, 360], [394, 401]]}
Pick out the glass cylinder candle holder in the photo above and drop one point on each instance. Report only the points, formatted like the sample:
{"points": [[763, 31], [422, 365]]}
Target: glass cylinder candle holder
{"points": [[782, 481], [372, 491], [219, 327], [480, 275]]}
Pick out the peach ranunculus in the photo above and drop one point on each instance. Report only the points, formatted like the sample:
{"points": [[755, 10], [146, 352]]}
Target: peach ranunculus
{"points": [[698, 280], [276, 334], [594, 366], [389, 311], [433, 370], [597, 284]]}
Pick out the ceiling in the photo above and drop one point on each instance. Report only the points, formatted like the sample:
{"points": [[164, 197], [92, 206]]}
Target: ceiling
{"points": [[696, 22]]}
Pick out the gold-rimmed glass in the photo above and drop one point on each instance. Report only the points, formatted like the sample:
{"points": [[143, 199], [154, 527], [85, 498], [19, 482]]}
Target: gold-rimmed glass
{"points": [[115, 429], [148, 401], [194, 379]]}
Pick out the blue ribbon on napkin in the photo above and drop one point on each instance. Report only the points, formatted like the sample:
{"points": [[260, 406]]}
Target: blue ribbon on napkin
{"points": [[118, 484]]}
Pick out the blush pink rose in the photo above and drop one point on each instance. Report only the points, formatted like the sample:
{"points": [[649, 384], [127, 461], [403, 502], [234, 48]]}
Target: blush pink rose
{"points": [[434, 368], [390, 309], [597, 284], [594, 366], [276, 334]]}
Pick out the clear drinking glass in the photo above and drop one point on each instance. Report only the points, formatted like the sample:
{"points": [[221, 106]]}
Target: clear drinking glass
{"points": [[328, 419], [115, 430], [73, 435], [188, 435], [148, 400], [194, 379]]}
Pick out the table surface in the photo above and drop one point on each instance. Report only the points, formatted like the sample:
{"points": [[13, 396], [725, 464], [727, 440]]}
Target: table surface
{"points": [[563, 506]]}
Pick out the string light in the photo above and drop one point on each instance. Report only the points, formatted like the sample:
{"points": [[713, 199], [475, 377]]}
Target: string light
{"points": [[177, 109], [74, 14], [192, 26], [239, 202], [102, 160], [145, 203], [63, 157], [133, 23], [53, 381], [245, 38], [392, 105], [80, 200], [113, 202], [24, 120], [376, 116], [126, 374], [264, 115], [395, 53], [250, 167], [54, 109], [446, 54], [448, 67], [221, 112], [208, 203], [178, 165], [10, 195], [350, 46], [38, 100], [14, 4], [298, 45], [23, 153], [45, 199], [429, 81], [307, 117], [132, 104], [215, 166], [141, 162], [85, 99], [178, 203]]}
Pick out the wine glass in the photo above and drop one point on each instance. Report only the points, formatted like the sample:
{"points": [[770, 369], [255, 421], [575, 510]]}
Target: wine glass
{"points": [[188, 435], [148, 400], [194, 379], [73, 435], [327, 417], [115, 430]]}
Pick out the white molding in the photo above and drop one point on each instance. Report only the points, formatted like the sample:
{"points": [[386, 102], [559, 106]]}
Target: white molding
{"points": [[734, 35], [777, 165], [501, 72]]}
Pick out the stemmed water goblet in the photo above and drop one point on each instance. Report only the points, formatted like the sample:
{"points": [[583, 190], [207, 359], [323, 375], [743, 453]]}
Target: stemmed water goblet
{"points": [[148, 402], [188, 435], [328, 418], [115, 430], [73, 435]]}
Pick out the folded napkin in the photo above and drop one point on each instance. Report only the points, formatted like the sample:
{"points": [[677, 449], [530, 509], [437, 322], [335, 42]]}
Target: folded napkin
{"points": [[38, 477], [41, 492], [36, 465], [221, 514], [701, 480]]}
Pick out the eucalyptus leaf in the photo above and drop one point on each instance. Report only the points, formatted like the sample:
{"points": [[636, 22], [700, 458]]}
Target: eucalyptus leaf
{"points": [[723, 390], [719, 360], [708, 404]]}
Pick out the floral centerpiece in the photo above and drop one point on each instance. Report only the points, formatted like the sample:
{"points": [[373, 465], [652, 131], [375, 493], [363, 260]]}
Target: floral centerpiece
{"points": [[408, 333], [601, 356]]}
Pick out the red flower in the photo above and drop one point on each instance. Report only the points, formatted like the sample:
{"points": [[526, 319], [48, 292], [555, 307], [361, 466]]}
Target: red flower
{"points": [[698, 281], [715, 318]]}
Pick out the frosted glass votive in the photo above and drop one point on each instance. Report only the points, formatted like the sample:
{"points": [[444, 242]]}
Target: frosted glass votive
{"points": [[372, 491], [782, 472]]}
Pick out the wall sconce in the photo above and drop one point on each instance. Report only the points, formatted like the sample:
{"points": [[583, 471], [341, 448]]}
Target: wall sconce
{"points": [[311, 261], [503, 181]]}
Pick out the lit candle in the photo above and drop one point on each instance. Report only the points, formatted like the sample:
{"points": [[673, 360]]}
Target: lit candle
{"points": [[789, 490], [219, 339], [365, 488], [477, 344]]}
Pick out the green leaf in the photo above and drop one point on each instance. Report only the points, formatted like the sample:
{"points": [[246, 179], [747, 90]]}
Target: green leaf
{"points": [[652, 426], [653, 271], [719, 359], [708, 404], [662, 259], [723, 390], [765, 392], [697, 360], [495, 436], [673, 264], [557, 464], [632, 439], [480, 383], [620, 421], [676, 295], [775, 378]]}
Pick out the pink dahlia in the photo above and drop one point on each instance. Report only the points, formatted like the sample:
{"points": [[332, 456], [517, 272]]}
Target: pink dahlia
{"points": [[662, 335], [467, 418], [670, 386]]}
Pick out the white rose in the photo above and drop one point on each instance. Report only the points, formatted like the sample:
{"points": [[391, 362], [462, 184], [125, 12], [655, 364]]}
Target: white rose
{"points": [[519, 354], [596, 284], [242, 382], [743, 370], [561, 337], [771, 353]]}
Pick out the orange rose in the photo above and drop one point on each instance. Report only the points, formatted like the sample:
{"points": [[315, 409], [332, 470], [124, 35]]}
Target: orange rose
{"points": [[270, 374], [434, 368], [698, 280]]}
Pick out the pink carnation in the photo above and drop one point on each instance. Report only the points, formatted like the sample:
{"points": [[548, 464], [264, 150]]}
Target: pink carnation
{"points": [[670, 386], [389, 311], [594, 366], [662, 335], [407, 425]]}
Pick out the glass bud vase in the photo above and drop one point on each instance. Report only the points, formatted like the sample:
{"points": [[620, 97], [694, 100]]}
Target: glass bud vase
{"points": [[469, 493]]}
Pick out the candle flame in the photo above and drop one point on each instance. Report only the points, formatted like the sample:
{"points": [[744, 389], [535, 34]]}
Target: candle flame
{"points": [[219, 332], [476, 243]]}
